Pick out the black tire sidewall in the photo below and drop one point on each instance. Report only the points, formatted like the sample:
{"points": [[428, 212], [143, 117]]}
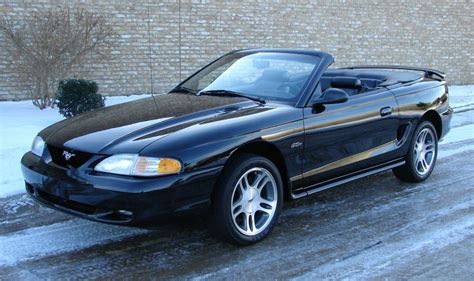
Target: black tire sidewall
{"points": [[411, 153], [223, 198]]}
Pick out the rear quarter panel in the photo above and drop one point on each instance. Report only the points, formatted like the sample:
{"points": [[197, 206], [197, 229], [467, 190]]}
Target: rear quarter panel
{"points": [[415, 100]]}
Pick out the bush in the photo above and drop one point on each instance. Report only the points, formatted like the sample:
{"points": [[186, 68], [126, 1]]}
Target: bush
{"points": [[76, 96]]}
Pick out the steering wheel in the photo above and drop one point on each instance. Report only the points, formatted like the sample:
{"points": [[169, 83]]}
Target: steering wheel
{"points": [[289, 89]]}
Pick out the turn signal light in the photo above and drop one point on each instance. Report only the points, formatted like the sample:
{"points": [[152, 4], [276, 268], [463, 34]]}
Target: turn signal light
{"points": [[169, 166]]}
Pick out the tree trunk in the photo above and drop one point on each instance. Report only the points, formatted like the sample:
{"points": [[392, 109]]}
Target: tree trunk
{"points": [[42, 100]]}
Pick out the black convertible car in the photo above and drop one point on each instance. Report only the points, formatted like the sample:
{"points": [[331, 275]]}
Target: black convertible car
{"points": [[247, 131]]}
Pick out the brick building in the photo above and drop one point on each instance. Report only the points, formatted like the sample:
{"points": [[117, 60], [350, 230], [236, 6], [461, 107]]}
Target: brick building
{"points": [[436, 34]]}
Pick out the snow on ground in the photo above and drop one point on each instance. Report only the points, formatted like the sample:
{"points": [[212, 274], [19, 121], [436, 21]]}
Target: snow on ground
{"points": [[27, 246], [20, 122], [461, 98]]}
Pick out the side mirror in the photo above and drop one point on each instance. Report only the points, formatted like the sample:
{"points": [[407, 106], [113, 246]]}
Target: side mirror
{"points": [[332, 95]]}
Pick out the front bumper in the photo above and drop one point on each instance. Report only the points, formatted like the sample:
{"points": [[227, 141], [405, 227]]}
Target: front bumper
{"points": [[116, 199]]}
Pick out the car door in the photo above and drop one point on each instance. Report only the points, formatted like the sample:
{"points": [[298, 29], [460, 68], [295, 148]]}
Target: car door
{"points": [[345, 137]]}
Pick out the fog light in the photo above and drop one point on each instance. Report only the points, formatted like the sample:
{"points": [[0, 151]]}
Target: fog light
{"points": [[125, 213]]}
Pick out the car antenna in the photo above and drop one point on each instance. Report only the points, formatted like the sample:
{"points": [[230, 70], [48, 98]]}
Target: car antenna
{"points": [[150, 52]]}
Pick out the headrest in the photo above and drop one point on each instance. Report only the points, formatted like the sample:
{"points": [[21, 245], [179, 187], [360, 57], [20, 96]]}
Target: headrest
{"points": [[275, 75], [346, 82]]}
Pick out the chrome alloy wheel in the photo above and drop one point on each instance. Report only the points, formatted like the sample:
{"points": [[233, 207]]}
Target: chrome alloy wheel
{"points": [[254, 201], [425, 151]]}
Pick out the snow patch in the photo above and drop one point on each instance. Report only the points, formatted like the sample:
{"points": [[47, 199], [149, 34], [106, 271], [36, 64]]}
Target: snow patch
{"points": [[380, 258], [59, 238], [459, 134], [12, 206], [443, 153], [461, 97]]}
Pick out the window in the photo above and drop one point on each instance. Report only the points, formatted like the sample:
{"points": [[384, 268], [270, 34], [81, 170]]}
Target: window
{"points": [[268, 75]]}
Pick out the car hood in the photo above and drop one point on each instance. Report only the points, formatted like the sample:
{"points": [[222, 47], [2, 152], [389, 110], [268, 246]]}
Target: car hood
{"points": [[131, 126]]}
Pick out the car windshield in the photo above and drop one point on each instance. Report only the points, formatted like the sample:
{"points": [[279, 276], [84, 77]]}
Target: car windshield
{"points": [[266, 75]]}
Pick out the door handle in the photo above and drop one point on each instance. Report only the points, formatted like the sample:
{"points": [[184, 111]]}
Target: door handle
{"points": [[385, 111]]}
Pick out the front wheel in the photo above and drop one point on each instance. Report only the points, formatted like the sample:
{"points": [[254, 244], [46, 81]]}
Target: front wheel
{"points": [[421, 157], [247, 201]]}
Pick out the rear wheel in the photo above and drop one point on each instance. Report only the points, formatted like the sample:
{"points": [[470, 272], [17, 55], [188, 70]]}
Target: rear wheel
{"points": [[248, 200], [421, 157]]}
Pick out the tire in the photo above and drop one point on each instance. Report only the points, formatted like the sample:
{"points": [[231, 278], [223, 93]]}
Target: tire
{"points": [[421, 157], [242, 213]]}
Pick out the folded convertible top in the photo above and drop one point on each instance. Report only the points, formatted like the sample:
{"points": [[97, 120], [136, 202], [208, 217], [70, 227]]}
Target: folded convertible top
{"points": [[430, 73]]}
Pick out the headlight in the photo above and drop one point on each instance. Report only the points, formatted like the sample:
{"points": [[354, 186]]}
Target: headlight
{"points": [[134, 165], [38, 146]]}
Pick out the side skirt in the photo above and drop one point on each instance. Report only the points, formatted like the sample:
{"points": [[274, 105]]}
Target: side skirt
{"points": [[347, 178]]}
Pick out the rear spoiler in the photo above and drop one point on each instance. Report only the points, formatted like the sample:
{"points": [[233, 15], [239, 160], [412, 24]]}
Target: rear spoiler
{"points": [[429, 73]]}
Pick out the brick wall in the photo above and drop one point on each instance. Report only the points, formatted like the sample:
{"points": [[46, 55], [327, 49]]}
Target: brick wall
{"points": [[436, 34]]}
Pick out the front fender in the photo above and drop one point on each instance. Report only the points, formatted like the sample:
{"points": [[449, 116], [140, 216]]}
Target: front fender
{"points": [[213, 153]]}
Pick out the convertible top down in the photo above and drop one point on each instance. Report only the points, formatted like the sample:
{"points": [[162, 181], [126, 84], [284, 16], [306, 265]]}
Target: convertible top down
{"points": [[245, 132]]}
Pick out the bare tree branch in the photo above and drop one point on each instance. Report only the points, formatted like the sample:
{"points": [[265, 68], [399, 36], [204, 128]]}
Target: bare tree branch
{"points": [[46, 45]]}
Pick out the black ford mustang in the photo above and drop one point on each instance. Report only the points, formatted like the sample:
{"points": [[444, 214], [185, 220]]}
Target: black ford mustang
{"points": [[246, 131]]}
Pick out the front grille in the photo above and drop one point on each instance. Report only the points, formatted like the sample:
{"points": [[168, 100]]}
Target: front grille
{"points": [[76, 159]]}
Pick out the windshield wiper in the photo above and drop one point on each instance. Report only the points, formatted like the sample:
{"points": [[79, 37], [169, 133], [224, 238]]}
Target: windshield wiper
{"points": [[230, 94], [181, 89]]}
